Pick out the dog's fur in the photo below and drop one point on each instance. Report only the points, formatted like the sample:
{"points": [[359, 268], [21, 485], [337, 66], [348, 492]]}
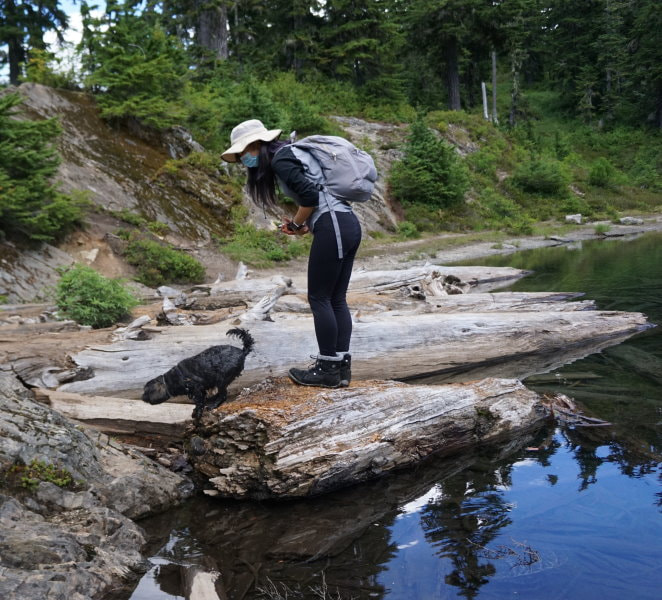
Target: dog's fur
{"points": [[204, 378]]}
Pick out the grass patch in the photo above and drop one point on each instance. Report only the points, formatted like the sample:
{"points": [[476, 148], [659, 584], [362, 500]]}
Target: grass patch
{"points": [[28, 477], [261, 248]]}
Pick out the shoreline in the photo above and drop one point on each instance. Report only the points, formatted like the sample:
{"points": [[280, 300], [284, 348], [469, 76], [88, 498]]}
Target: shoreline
{"points": [[450, 248]]}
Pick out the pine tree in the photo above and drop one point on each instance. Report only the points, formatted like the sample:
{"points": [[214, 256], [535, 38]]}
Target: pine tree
{"points": [[29, 202], [360, 43], [142, 69], [22, 27]]}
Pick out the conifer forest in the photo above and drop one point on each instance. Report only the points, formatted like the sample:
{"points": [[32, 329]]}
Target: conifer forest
{"points": [[559, 92]]}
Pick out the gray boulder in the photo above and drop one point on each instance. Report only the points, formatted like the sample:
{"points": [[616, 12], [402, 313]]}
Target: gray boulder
{"points": [[78, 543]]}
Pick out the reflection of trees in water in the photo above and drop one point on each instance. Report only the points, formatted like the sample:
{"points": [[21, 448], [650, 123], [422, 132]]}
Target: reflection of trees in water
{"points": [[469, 515], [345, 535], [631, 455]]}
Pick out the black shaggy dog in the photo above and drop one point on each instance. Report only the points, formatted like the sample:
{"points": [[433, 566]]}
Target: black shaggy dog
{"points": [[204, 378]]}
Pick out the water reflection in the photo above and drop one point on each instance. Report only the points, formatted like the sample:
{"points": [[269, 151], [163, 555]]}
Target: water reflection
{"points": [[344, 536]]}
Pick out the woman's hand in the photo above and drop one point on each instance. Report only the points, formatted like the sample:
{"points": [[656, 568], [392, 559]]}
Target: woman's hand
{"points": [[287, 229]]}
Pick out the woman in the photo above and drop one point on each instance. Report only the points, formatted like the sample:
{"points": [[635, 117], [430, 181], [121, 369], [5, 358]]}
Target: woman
{"points": [[336, 238]]}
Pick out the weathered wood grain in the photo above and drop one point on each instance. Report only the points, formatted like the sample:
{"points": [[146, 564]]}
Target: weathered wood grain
{"points": [[119, 415], [279, 440], [397, 347]]}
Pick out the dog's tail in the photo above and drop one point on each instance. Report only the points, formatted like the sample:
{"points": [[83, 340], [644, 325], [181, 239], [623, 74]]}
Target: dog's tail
{"points": [[245, 337]]}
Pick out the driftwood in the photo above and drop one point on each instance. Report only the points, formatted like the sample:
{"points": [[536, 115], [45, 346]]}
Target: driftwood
{"points": [[479, 278], [367, 302], [118, 415], [398, 347], [244, 291], [279, 440]]}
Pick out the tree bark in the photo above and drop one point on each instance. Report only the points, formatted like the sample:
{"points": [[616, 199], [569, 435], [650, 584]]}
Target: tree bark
{"points": [[495, 118], [451, 52], [212, 27], [281, 440]]}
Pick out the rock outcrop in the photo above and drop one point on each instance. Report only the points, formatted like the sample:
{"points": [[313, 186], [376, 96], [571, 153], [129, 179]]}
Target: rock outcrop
{"points": [[77, 543]]}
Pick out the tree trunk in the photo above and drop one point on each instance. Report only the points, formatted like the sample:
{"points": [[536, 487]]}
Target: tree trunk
{"points": [[16, 55], [516, 59], [495, 118], [453, 74], [212, 28], [281, 440]]}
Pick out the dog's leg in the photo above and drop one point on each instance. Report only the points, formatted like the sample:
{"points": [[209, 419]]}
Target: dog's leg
{"points": [[198, 396], [217, 399]]}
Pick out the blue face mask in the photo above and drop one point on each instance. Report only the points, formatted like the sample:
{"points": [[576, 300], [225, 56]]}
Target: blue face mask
{"points": [[249, 160]]}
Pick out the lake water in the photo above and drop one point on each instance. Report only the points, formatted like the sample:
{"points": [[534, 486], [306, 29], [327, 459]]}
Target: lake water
{"points": [[565, 513]]}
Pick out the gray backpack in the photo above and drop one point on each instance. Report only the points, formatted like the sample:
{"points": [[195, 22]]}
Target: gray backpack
{"points": [[349, 173]]}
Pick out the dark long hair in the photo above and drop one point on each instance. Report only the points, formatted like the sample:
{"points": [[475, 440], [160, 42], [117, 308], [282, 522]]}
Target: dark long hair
{"points": [[261, 182]]}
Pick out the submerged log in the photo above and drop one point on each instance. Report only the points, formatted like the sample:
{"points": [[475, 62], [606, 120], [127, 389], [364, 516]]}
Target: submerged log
{"points": [[279, 440], [398, 347]]}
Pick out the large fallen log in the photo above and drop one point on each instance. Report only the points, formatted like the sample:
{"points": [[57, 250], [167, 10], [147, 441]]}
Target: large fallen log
{"points": [[399, 347], [279, 440]]}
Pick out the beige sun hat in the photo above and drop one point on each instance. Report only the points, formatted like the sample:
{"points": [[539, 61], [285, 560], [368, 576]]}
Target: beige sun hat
{"points": [[246, 133]]}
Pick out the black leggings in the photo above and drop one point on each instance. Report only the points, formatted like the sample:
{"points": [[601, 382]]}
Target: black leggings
{"points": [[328, 278]]}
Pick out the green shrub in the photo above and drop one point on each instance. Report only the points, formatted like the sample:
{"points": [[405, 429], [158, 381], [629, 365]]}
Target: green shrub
{"points": [[251, 99], [541, 176], [601, 228], [646, 170], [40, 69], [158, 228], [602, 173], [503, 212], [424, 217], [89, 298], [430, 172], [573, 205], [29, 476], [158, 264], [408, 230], [129, 217]]}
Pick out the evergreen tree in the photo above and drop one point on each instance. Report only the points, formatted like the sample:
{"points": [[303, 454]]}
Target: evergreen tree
{"points": [[645, 63], [22, 27], [140, 68], [430, 172], [29, 202], [360, 43], [452, 38]]}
